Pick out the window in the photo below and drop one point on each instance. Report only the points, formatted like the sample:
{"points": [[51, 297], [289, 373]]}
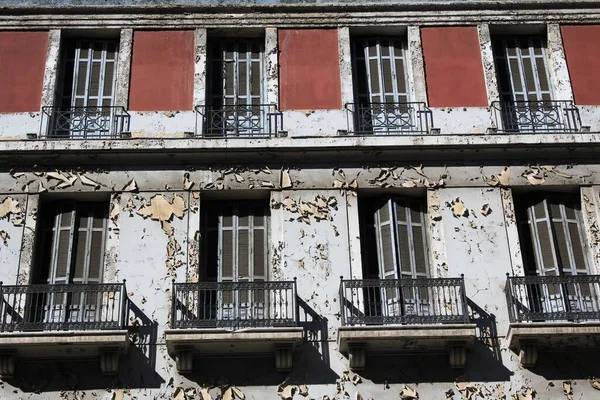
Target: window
{"points": [[526, 103], [381, 86], [70, 250], [234, 249], [522, 69], [394, 246], [552, 246], [86, 90], [236, 88]]}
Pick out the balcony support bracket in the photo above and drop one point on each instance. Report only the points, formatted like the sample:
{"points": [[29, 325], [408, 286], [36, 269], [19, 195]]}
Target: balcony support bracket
{"points": [[8, 361], [357, 355], [184, 359], [457, 354], [528, 353], [109, 360], [283, 357]]}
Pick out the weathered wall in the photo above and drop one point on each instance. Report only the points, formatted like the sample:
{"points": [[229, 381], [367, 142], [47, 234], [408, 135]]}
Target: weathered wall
{"points": [[453, 67], [22, 61], [581, 44], [309, 69], [162, 71]]}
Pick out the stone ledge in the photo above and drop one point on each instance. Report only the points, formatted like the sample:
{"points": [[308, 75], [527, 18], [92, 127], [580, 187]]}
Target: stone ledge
{"points": [[527, 339], [183, 344], [107, 345], [357, 341]]}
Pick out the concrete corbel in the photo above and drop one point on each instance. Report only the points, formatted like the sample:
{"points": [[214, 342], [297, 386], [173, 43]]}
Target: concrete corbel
{"points": [[357, 356], [283, 357], [528, 353], [8, 361], [184, 360], [109, 361], [457, 355]]}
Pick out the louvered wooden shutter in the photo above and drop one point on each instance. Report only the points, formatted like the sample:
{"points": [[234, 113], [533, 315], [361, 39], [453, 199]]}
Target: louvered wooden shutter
{"points": [[386, 241]]}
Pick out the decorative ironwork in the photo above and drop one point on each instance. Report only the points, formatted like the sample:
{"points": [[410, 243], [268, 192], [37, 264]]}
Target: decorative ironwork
{"points": [[389, 118], [238, 121], [83, 122], [234, 305], [61, 307], [553, 298], [536, 116], [403, 301]]}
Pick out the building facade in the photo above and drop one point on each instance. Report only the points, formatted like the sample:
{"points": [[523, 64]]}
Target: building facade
{"points": [[221, 200]]}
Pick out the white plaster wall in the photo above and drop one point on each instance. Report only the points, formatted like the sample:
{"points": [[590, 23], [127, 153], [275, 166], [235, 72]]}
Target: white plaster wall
{"points": [[16, 126], [453, 120], [479, 248], [317, 254], [315, 122], [162, 123], [590, 116], [10, 247]]}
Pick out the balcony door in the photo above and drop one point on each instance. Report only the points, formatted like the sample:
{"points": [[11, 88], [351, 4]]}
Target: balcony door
{"points": [[552, 245], [71, 253], [525, 88], [395, 248], [88, 90], [235, 251], [381, 86], [236, 88]]}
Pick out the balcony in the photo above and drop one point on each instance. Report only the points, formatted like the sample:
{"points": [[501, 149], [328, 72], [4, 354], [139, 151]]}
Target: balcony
{"points": [[239, 121], [548, 116], [86, 123], [63, 321], [424, 315], [233, 318], [552, 313], [389, 118]]}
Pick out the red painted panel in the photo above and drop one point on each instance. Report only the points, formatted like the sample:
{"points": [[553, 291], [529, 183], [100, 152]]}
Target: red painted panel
{"points": [[22, 64], [162, 71], [453, 67], [581, 45], [309, 74]]}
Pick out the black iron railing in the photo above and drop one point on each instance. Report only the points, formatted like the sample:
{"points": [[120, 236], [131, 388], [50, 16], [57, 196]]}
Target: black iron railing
{"points": [[234, 305], [83, 122], [403, 301], [61, 307], [389, 118], [536, 116], [238, 121], [553, 298]]}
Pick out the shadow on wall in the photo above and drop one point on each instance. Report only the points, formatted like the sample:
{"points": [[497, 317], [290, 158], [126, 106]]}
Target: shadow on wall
{"points": [[310, 363], [136, 369], [567, 365], [484, 360]]}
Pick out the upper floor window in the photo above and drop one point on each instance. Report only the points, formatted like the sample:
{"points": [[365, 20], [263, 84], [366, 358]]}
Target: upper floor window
{"points": [[521, 67], [382, 101], [236, 88], [526, 100], [85, 102]]}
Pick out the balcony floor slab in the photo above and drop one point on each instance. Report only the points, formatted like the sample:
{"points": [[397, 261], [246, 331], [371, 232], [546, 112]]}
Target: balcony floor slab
{"points": [[224, 342], [67, 344], [406, 338], [555, 335]]}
